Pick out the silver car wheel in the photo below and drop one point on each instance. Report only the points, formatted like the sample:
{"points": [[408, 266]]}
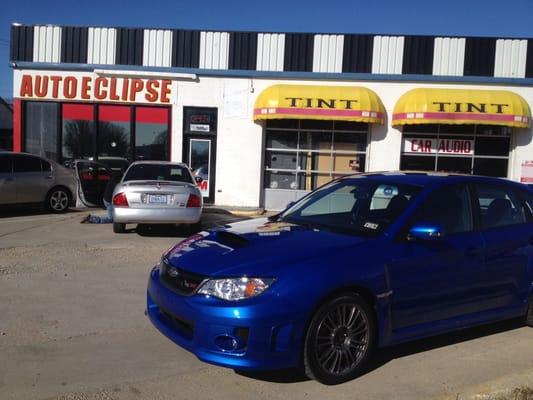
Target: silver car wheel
{"points": [[58, 200]]}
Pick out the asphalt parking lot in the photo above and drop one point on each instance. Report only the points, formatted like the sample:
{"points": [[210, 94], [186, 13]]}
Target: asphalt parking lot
{"points": [[72, 326]]}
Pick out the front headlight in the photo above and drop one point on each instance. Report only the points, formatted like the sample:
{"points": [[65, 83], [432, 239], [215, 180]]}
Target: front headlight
{"points": [[235, 288]]}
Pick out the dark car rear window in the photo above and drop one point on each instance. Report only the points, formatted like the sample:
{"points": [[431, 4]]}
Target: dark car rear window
{"points": [[158, 172]]}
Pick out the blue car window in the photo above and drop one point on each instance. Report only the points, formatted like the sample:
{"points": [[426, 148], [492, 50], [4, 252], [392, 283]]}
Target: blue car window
{"points": [[353, 206], [499, 206], [449, 207]]}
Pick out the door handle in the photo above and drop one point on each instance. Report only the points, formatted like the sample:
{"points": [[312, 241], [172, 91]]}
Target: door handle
{"points": [[531, 240], [49, 177], [9, 180], [474, 251]]}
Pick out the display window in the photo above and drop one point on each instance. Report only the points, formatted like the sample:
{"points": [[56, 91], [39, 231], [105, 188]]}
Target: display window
{"points": [[78, 132], [112, 134], [152, 136], [305, 154], [467, 149]]}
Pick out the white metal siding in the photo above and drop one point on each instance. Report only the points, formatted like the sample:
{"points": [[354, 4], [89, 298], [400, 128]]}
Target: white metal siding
{"points": [[327, 54], [47, 44], [270, 51], [510, 58], [387, 57], [101, 46], [449, 56], [214, 50], [157, 50]]}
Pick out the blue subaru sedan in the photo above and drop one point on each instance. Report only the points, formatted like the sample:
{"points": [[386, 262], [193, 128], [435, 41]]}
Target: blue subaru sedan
{"points": [[365, 261]]}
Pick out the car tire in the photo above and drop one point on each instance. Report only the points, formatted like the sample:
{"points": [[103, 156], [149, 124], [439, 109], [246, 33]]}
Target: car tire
{"points": [[339, 340], [529, 314], [118, 227], [58, 200]]}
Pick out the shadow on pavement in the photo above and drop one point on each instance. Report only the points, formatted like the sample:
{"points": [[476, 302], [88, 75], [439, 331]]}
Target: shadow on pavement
{"points": [[29, 211], [172, 230], [162, 230], [385, 355]]}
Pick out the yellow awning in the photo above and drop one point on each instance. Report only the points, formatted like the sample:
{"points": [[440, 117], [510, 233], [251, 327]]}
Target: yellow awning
{"points": [[461, 106], [347, 103]]}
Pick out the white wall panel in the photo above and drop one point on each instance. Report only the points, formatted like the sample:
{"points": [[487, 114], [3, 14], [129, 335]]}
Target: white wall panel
{"points": [[157, 50], [510, 58], [327, 54], [47, 44], [449, 56], [101, 46], [214, 50], [270, 51], [387, 57]]}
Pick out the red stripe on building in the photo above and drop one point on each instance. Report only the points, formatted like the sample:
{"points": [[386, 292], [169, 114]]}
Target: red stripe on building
{"points": [[457, 116], [317, 111], [114, 113], [17, 125], [78, 112], [151, 115]]}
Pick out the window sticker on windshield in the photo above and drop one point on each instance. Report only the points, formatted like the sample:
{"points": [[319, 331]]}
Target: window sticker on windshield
{"points": [[371, 225]]}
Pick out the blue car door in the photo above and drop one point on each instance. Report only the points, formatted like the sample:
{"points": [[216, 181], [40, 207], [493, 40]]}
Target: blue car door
{"points": [[509, 245], [438, 279]]}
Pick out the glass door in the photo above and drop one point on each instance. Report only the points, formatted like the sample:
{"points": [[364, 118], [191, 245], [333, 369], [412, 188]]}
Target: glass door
{"points": [[199, 160]]}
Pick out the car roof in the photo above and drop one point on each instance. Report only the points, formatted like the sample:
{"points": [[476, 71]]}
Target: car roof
{"points": [[424, 178]]}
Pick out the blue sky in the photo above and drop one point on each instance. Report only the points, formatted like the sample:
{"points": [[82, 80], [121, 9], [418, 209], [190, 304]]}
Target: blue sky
{"points": [[511, 18]]}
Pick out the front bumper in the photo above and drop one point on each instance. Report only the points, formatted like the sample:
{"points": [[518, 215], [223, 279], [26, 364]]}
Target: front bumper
{"points": [[269, 335], [184, 215]]}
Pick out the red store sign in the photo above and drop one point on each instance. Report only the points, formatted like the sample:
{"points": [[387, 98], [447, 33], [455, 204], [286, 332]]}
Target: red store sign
{"points": [[440, 146], [94, 88]]}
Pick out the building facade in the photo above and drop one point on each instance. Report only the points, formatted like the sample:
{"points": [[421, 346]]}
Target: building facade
{"points": [[6, 125], [266, 117]]}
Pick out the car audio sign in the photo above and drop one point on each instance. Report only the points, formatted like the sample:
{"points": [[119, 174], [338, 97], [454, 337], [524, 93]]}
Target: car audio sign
{"points": [[422, 145], [77, 86]]}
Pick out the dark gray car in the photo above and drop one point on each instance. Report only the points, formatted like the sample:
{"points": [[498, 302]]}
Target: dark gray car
{"points": [[28, 179]]}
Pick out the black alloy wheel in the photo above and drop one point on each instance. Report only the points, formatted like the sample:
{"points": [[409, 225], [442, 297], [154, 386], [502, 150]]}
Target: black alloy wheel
{"points": [[339, 340], [58, 200]]}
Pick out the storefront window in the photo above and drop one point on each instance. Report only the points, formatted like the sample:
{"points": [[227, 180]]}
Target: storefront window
{"points": [[305, 154], [468, 149], [79, 132], [66, 132], [152, 138], [41, 122], [114, 132]]}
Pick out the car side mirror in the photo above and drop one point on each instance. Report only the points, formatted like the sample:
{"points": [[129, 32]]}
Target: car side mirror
{"points": [[425, 231], [289, 204], [198, 179]]}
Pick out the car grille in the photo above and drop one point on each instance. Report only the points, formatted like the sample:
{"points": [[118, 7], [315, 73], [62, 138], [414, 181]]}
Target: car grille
{"points": [[179, 280]]}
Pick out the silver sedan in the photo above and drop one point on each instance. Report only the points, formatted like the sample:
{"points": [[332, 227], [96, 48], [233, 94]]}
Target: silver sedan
{"points": [[157, 192]]}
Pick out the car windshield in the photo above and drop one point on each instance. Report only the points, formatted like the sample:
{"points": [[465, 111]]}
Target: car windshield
{"points": [[353, 206], [158, 172]]}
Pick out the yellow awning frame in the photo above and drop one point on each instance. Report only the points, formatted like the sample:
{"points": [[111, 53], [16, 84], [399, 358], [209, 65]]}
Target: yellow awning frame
{"points": [[462, 106], [345, 103]]}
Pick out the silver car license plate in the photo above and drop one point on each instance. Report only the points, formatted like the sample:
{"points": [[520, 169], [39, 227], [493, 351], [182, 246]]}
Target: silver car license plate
{"points": [[157, 198]]}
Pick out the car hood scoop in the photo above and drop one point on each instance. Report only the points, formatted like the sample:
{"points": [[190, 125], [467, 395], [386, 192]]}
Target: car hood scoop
{"points": [[255, 246], [231, 239]]}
